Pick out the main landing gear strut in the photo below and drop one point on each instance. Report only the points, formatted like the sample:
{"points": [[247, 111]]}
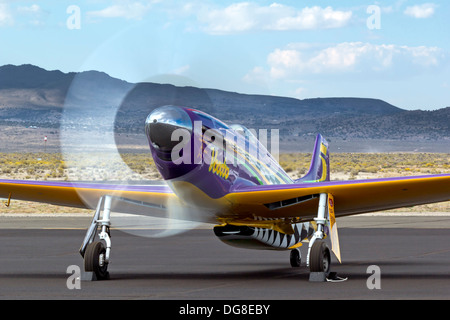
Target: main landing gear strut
{"points": [[319, 257], [96, 254]]}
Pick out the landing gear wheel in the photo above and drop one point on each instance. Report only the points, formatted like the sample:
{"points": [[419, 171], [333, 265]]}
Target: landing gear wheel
{"points": [[295, 258], [320, 258], [94, 260]]}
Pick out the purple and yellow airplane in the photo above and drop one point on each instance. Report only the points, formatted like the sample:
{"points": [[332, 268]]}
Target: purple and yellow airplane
{"points": [[222, 175]]}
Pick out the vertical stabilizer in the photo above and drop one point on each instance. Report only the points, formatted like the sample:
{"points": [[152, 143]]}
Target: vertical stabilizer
{"points": [[320, 163]]}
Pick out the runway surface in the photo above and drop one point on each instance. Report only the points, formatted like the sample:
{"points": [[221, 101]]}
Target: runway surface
{"points": [[412, 253]]}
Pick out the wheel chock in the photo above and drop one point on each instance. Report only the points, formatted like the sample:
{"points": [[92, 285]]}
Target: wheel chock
{"points": [[317, 277], [91, 276], [88, 276]]}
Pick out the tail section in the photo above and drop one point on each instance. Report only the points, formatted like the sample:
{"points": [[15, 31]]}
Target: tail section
{"points": [[320, 163]]}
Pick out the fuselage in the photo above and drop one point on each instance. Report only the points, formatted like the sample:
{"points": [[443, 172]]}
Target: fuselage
{"points": [[203, 159]]}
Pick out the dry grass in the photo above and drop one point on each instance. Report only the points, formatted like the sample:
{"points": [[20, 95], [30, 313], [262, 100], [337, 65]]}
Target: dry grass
{"points": [[345, 166], [140, 166]]}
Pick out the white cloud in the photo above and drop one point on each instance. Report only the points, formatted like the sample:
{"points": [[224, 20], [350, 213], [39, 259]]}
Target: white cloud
{"points": [[300, 93], [124, 9], [422, 11], [182, 70], [31, 9], [312, 18], [300, 60], [33, 14], [393, 7], [6, 17], [256, 76], [22, 15], [246, 16]]}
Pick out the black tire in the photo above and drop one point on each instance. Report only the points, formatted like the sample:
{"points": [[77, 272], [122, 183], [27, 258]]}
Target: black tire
{"points": [[320, 258], [93, 262], [295, 258]]}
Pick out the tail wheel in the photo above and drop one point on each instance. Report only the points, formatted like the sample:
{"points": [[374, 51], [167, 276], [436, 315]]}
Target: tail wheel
{"points": [[320, 258], [94, 260], [295, 258]]}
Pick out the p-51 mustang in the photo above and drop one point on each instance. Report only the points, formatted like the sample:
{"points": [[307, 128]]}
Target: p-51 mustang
{"points": [[223, 175]]}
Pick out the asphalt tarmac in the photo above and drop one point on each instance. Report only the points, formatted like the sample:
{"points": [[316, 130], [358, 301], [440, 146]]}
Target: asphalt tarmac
{"points": [[411, 256]]}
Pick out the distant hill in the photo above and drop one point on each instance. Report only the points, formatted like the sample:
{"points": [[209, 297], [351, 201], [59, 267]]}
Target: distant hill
{"points": [[30, 95]]}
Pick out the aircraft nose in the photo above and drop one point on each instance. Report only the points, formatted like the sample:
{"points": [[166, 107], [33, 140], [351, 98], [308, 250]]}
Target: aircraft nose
{"points": [[162, 122]]}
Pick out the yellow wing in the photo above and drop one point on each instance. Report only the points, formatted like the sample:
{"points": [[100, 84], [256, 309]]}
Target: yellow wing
{"points": [[86, 195], [351, 197]]}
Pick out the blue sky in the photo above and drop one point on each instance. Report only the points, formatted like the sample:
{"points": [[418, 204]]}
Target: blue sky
{"points": [[397, 51]]}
